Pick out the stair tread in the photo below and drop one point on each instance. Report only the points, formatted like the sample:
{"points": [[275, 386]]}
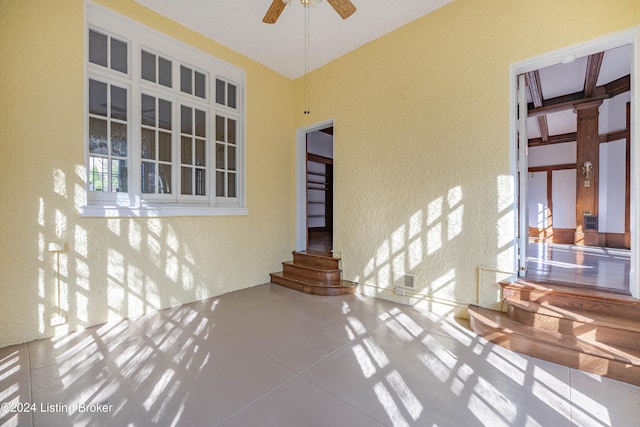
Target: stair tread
{"points": [[503, 322], [316, 254], [306, 267], [343, 283], [563, 289], [584, 316]]}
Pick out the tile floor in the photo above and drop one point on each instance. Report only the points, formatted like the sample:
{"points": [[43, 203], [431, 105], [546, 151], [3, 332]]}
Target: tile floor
{"points": [[270, 356], [606, 269]]}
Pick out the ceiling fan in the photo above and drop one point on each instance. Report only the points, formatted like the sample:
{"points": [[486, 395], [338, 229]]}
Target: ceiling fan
{"points": [[344, 8]]}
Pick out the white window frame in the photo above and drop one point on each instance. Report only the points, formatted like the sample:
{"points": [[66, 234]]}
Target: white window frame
{"points": [[134, 203]]}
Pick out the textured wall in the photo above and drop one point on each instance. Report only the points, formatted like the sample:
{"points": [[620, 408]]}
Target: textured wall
{"points": [[421, 119], [118, 267]]}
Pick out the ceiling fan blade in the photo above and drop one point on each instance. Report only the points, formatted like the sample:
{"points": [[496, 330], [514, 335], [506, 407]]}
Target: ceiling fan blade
{"points": [[344, 7], [272, 15]]}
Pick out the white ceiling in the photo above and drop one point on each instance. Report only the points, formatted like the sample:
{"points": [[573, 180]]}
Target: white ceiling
{"points": [[237, 24]]}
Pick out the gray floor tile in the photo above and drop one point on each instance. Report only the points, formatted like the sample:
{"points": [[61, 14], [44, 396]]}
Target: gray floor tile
{"points": [[299, 403], [268, 355], [600, 401]]}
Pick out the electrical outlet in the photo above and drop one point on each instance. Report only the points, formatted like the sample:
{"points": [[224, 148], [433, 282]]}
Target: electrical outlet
{"points": [[400, 291]]}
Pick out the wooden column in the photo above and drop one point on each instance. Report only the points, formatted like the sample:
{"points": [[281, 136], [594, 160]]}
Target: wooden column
{"points": [[587, 188]]}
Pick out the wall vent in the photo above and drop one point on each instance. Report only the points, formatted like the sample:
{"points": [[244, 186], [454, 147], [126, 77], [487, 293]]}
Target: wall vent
{"points": [[591, 222], [408, 281]]}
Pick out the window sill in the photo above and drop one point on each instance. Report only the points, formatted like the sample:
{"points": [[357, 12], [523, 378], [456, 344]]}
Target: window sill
{"points": [[159, 211]]}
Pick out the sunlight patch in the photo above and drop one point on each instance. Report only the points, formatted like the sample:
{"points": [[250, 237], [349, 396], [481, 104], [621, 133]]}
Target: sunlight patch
{"points": [[376, 352], [434, 239], [415, 253], [159, 387], [61, 225], [366, 365], [434, 210], [490, 405], [59, 183], [114, 226], [398, 240], [415, 224], [402, 390], [505, 192], [383, 253], [454, 222], [357, 325], [389, 405], [454, 196]]}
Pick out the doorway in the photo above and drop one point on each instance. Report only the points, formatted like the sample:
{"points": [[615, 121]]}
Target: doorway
{"points": [[320, 191], [576, 193], [314, 188]]}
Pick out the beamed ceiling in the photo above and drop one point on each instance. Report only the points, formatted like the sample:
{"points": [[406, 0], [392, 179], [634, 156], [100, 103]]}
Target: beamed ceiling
{"points": [[553, 91]]}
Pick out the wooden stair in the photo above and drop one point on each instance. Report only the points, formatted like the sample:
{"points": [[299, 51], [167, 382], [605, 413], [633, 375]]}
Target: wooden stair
{"points": [[316, 273], [592, 331]]}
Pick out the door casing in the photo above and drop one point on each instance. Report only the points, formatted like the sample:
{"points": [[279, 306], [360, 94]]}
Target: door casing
{"points": [[600, 44]]}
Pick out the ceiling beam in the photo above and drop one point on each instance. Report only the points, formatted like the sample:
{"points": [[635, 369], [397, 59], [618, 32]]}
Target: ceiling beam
{"points": [[619, 86], [566, 102], [572, 136], [553, 139], [544, 128], [594, 63], [613, 136], [535, 89]]}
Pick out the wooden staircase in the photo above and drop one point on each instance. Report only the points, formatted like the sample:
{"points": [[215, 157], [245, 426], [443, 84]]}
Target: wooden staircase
{"points": [[592, 331], [316, 273]]}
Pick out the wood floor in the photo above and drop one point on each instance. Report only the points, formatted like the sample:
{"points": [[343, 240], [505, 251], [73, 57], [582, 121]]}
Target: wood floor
{"points": [[603, 269], [320, 241]]}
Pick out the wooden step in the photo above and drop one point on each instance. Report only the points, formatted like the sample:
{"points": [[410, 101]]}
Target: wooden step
{"points": [[311, 274], [573, 298], [594, 357], [586, 325], [319, 260], [341, 288]]}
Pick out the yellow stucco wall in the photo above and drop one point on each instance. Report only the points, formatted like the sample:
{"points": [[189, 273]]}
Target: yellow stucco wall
{"points": [[118, 267], [421, 142], [421, 146]]}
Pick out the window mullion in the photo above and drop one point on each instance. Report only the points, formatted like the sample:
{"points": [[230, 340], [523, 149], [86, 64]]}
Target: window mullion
{"points": [[176, 141], [136, 127]]}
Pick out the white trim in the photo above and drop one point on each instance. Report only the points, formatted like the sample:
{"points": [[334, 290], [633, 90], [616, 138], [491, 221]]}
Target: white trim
{"points": [[523, 163], [138, 37], [629, 36], [159, 211], [634, 279], [301, 181]]}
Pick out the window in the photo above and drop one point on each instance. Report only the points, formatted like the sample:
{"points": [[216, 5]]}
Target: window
{"points": [[165, 124]]}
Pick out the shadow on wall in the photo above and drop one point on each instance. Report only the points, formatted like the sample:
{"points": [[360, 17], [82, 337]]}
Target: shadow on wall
{"points": [[110, 268], [431, 247]]}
